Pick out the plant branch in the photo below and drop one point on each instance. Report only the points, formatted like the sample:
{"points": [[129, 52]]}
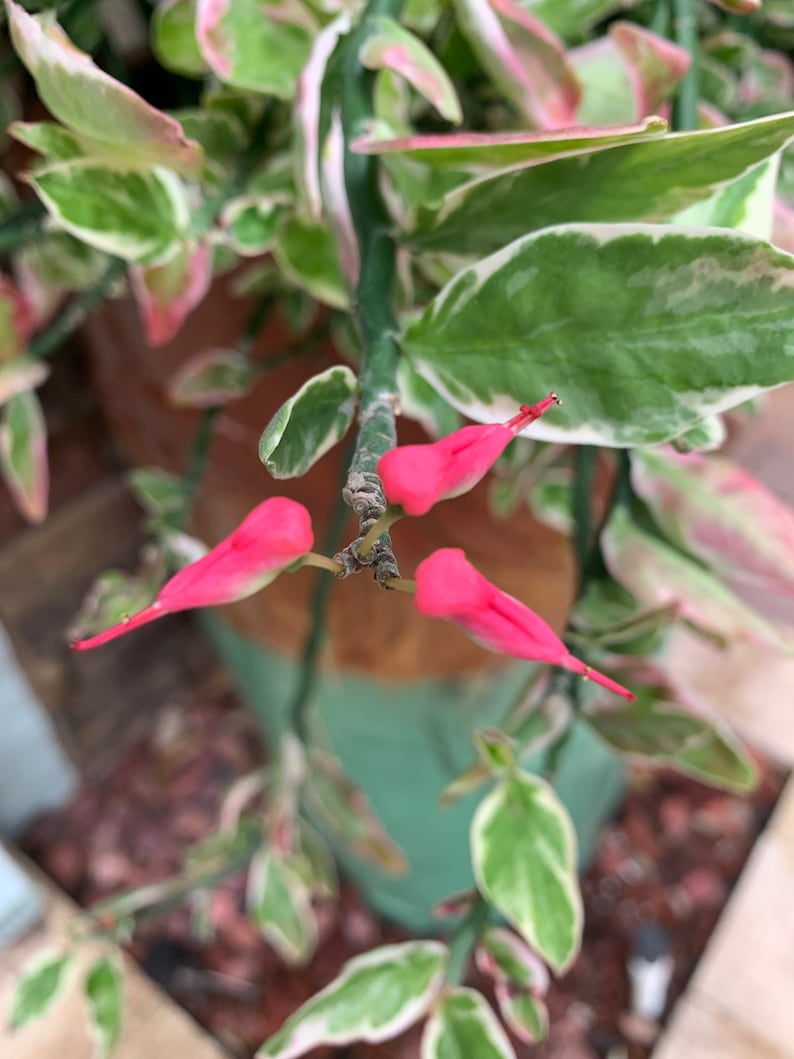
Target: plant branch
{"points": [[74, 313], [22, 227], [465, 938], [685, 110], [314, 640], [373, 307]]}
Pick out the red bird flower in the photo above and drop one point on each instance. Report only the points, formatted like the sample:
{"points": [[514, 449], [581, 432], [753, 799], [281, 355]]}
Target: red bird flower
{"points": [[448, 586], [275, 534], [415, 477]]}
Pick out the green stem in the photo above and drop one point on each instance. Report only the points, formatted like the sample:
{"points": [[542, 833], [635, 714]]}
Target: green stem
{"points": [[75, 312], [660, 23], [373, 301], [309, 670], [23, 226], [585, 459], [466, 936], [685, 111]]}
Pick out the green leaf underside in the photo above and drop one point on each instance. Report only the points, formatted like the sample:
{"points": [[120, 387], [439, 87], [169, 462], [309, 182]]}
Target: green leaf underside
{"points": [[280, 905], [104, 996], [525, 1015], [37, 989], [173, 37], [644, 330], [137, 216], [375, 997], [309, 423], [463, 1026], [649, 180], [571, 18], [524, 856], [669, 735]]}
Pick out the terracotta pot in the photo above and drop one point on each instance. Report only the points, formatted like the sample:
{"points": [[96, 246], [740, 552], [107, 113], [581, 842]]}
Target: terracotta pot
{"points": [[400, 694]]}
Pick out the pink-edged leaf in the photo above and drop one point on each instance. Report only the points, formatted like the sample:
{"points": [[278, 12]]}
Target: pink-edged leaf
{"points": [[91, 102], [524, 1014], [506, 957], [256, 46], [166, 293], [307, 115], [212, 378], [769, 79], [525, 60], [721, 514], [555, 88], [337, 204], [738, 7], [500, 150], [23, 455], [391, 47], [655, 66], [658, 575], [17, 319], [20, 375], [343, 808]]}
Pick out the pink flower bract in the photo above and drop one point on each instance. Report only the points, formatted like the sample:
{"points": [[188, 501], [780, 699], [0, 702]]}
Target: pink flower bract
{"points": [[448, 586], [416, 477], [275, 534]]}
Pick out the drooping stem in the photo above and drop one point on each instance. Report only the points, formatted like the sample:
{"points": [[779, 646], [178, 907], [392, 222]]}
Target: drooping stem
{"points": [[373, 304], [685, 111], [75, 312]]}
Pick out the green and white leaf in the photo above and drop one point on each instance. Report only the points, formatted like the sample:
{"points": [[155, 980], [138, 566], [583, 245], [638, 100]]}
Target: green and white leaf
{"points": [[419, 401], [173, 38], [160, 493], [374, 998], [592, 311], [392, 47], [648, 180], [92, 103], [310, 422], [103, 992], [212, 378], [463, 1024], [251, 223], [526, 1015], [138, 216], [523, 848], [23, 455], [250, 47], [660, 576], [341, 807], [668, 734], [306, 254], [503, 955], [745, 204], [279, 902], [20, 375], [38, 988], [572, 18]]}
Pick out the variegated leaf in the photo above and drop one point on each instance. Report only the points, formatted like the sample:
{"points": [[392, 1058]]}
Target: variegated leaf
{"points": [[166, 293], [523, 847], [502, 955], [660, 576], [391, 47], [212, 378], [23, 455], [70, 85], [719, 513], [463, 1024], [647, 180], [173, 38], [17, 320], [19, 376], [138, 216], [306, 254], [343, 809], [37, 988], [375, 997], [524, 58], [525, 1015], [591, 310], [572, 18], [250, 47], [501, 150], [279, 902]]}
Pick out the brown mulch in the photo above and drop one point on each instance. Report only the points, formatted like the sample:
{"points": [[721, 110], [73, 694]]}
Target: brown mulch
{"points": [[671, 857]]}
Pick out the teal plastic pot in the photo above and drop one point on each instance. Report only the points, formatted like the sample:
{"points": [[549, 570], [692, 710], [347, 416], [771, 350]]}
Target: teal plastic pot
{"points": [[402, 744]]}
